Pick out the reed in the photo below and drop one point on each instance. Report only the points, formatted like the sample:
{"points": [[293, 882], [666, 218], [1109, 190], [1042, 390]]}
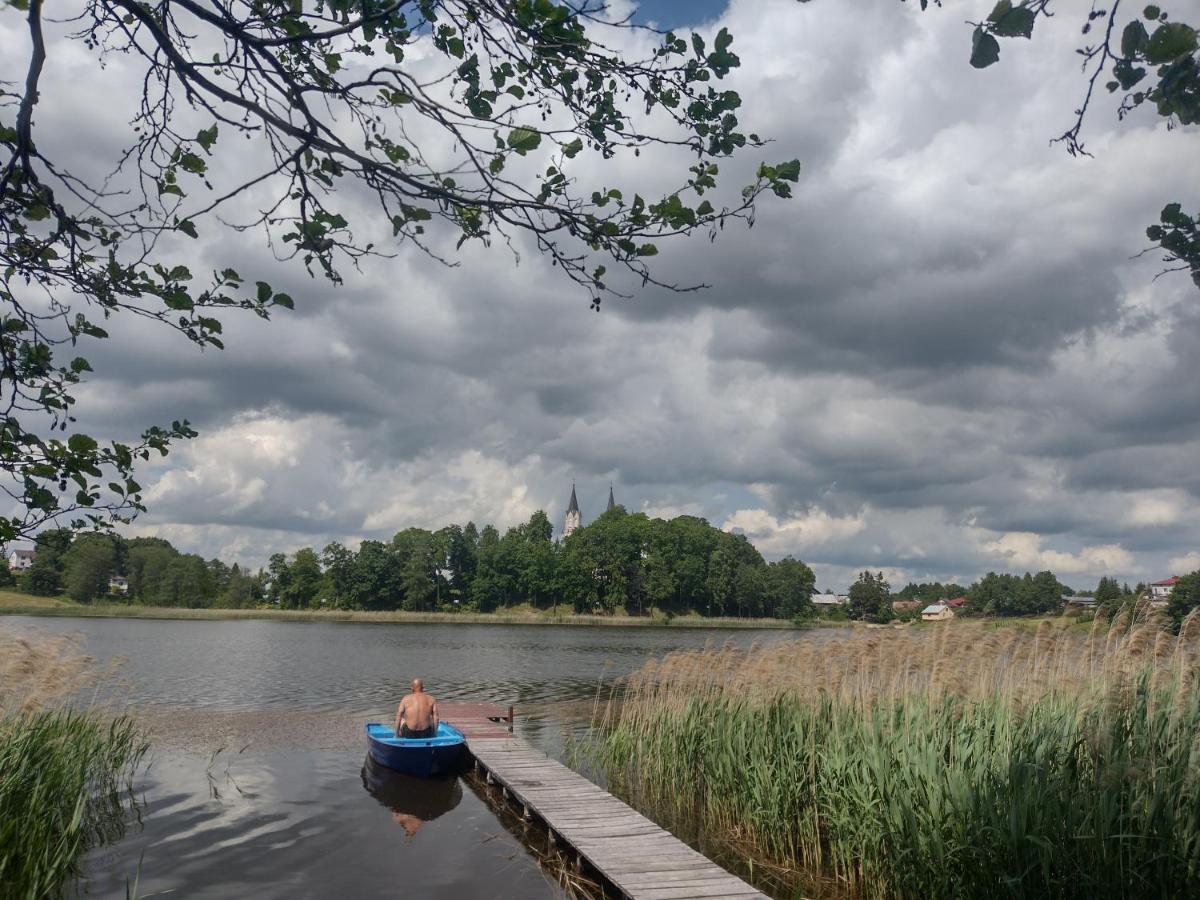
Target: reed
{"points": [[65, 774], [969, 761]]}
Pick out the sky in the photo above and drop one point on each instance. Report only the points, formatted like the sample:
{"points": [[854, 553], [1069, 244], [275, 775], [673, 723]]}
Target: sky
{"points": [[941, 357]]}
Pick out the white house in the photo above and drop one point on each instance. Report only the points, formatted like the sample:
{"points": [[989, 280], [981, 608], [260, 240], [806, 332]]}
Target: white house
{"points": [[20, 560], [1160, 591], [936, 612], [118, 584]]}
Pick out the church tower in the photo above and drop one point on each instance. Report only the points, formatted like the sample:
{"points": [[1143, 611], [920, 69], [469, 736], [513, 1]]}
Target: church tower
{"points": [[572, 519], [611, 502]]}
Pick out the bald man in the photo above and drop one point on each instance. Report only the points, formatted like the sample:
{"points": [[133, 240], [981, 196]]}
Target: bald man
{"points": [[417, 715]]}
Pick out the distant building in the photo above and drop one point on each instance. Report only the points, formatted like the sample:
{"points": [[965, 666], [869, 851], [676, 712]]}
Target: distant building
{"points": [[1079, 601], [936, 612], [957, 602], [1160, 591], [20, 560], [572, 520], [905, 605], [611, 502], [118, 584], [827, 600]]}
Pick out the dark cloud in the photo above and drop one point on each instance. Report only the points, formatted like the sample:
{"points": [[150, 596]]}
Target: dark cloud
{"points": [[939, 358]]}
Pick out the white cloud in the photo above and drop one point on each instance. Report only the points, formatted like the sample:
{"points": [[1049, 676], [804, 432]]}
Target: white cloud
{"points": [[1023, 550], [1182, 565], [795, 534]]}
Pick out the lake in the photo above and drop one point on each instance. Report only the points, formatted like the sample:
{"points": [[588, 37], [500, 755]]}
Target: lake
{"points": [[258, 782]]}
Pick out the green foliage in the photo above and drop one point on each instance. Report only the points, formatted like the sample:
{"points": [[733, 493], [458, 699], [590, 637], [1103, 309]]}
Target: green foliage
{"points": [[1013, 595], [1185, 597], [871, 598], [789, 588], [44, 577], [65, 786], [88, 566]]}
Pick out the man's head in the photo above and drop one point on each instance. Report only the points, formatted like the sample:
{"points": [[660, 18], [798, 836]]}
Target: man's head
{"points": [[418, 685]]}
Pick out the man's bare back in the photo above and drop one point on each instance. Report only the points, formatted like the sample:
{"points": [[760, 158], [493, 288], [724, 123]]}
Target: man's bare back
{"points": [[417, 714]]}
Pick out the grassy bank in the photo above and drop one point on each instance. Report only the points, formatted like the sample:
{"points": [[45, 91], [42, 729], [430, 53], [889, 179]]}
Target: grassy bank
{"points": [[21, 604], [965, 762], [65, 775]]}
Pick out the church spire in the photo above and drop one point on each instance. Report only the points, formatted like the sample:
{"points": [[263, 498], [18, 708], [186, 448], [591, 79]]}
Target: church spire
{"points": [[611, 501], [572, 520]]}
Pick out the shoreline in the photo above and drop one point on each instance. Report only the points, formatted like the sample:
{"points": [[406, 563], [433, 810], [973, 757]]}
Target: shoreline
{"points": [[120, 611]]}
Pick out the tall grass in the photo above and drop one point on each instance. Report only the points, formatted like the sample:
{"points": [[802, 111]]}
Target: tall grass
{"points": [[965, 761], [65, 774]]}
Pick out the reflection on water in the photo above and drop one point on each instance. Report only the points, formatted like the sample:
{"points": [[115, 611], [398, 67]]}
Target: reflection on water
{"points": [[413, 801], [297, 824]]}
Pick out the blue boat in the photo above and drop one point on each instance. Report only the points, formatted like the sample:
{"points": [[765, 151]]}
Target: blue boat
{"points": [[442, 754]]}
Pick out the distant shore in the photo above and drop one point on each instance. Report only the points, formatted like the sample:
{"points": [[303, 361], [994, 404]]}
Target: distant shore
{"points": [[13, 604]]}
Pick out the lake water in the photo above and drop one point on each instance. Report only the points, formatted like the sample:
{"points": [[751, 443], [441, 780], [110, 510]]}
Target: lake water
{"points": [[258, 783]]}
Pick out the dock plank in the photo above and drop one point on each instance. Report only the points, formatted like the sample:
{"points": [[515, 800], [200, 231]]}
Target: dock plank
{"points": [[636, 856]]}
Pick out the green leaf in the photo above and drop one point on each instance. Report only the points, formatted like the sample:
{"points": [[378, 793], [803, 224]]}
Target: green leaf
{"points": [[37, 211], [1133, 39], [573, 148], [207, 137], [264, 291], [177, 300], [1170, 41], [283, 300], [81, 443], [1152, 12], [647, 250], [188, 227], [788, 171], [522, 140], [985, 49], [193, 163], [1012, 21]]}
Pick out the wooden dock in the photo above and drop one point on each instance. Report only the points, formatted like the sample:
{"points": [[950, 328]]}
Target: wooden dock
{"points": [[633, 855]]}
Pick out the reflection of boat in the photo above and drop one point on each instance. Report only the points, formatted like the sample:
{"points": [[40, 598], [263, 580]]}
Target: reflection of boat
{"points": [[413, 801], [441, 754]]}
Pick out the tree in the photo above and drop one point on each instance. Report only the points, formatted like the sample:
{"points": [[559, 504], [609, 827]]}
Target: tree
{"points": [[1151, 59], [279, 578], [187, 582], [339, 563], [375, 582], [239, 591], [88, 566], [1185, 597], [7, 579], [790, 586], [44, 577], [490, 116], [1108, 594], [148, 559], [303, 581], [871, 598]]}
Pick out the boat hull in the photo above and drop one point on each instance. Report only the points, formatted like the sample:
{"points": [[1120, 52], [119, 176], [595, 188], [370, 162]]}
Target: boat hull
{"points": [[442, 754]]}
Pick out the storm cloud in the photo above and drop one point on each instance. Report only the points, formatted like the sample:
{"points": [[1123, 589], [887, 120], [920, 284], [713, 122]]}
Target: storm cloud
{"points": [[941, 357]]}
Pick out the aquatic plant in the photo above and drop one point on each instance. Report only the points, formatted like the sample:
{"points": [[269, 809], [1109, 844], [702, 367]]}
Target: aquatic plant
{"points": [[968, 761], [65, 774]]}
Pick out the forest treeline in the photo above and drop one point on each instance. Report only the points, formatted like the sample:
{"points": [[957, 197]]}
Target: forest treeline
{"points": [[620, 562]]}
